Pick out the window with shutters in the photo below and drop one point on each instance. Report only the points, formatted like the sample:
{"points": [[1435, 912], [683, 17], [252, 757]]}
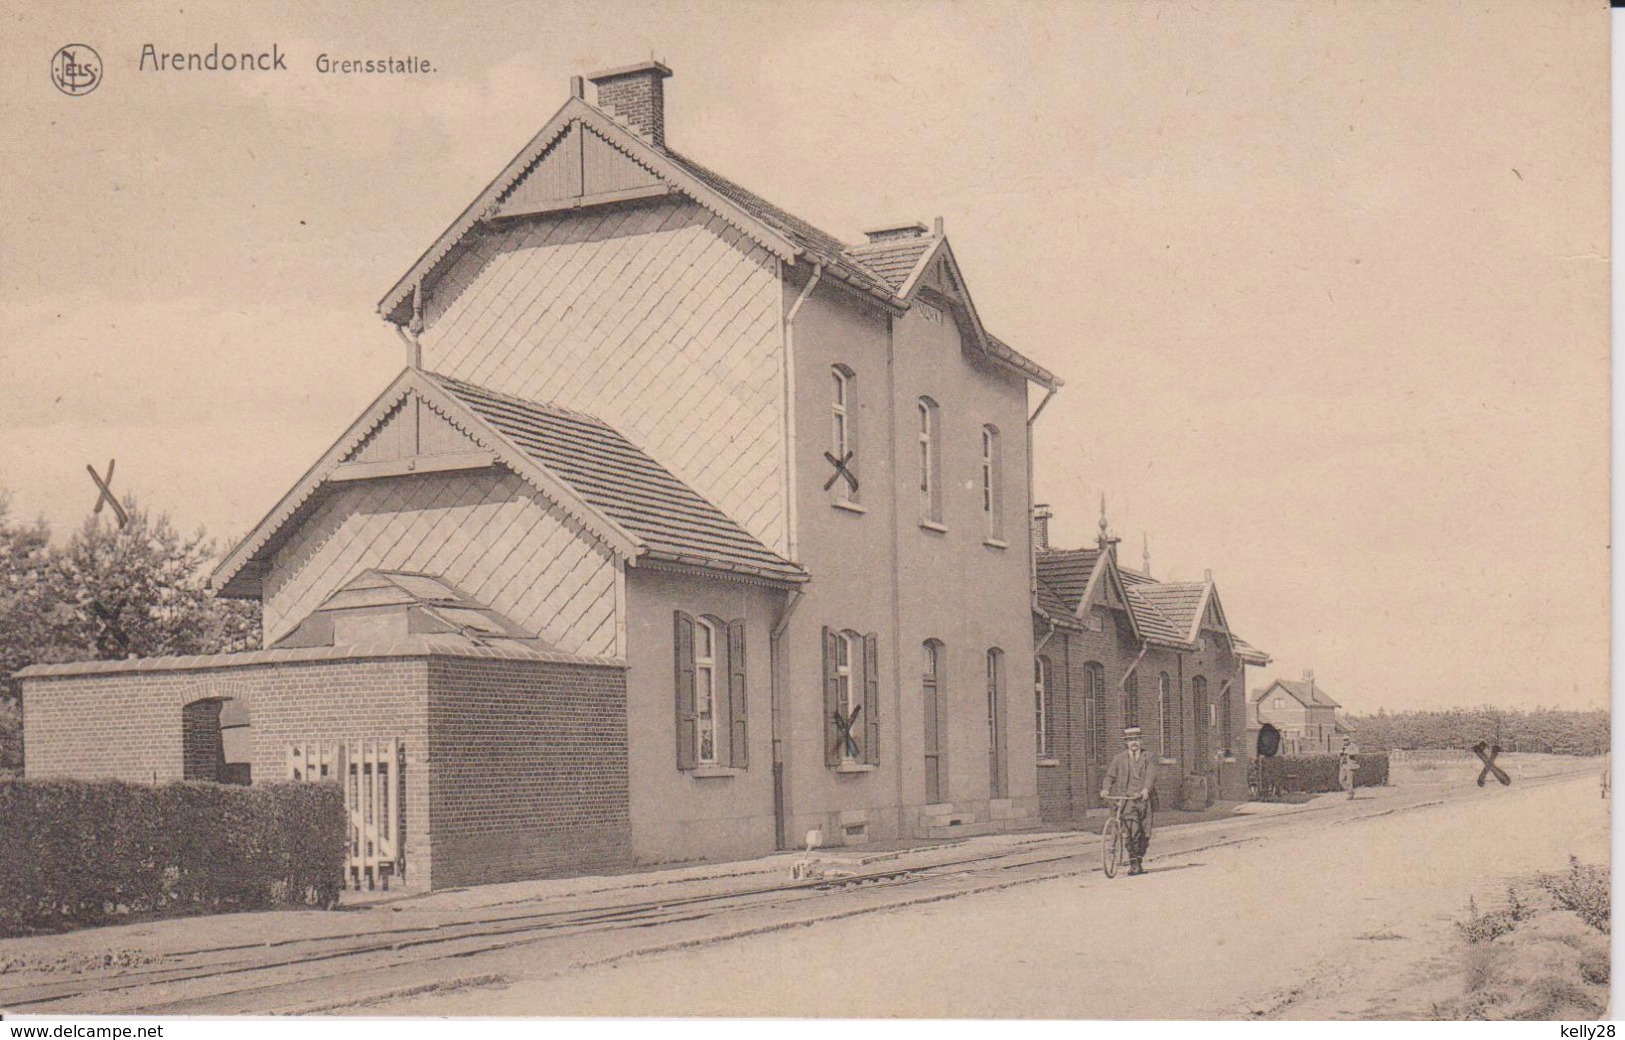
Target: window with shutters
{"points": [[705, 691], [1043, 709], [851, 698], [1095, 676], [930, 462], [843, 443], [992, 485], [712, 704]]}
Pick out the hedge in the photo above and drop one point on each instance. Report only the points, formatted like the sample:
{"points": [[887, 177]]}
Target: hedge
{"points": [[1317, 774], [76, 852]]}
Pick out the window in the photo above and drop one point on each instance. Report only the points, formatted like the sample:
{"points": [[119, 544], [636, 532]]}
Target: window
{"points": [[996, 758], [930, 462], [1280, 702], [931, 693], [851, 698], [1165, 716], [1095, 676], [843, 451], [1224, 720], [1131, 700], [705, 691], [711, 702], [1042, 708], [992, 484]]}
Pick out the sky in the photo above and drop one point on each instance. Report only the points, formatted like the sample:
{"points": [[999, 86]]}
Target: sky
{"points": [[1327, 282]]}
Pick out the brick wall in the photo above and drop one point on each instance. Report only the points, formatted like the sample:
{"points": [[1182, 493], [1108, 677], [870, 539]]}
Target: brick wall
{"points": [[1072, 786], [127, 725], [529, 770]]}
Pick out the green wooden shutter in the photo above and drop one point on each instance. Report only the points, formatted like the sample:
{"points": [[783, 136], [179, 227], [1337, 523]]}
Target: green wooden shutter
{"points": [[832, 702], [683, 646], [738, 747], [871, 699]]}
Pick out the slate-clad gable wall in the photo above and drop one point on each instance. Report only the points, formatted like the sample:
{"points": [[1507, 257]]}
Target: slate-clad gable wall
{"points": [[660, 319], [486, 532]]}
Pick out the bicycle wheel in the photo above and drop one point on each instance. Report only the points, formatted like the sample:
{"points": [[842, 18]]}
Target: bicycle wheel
{"points": [[1111, 846]]}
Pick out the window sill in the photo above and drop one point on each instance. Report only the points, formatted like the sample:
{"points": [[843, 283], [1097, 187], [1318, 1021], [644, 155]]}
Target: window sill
{"points": [[855, 767], [850, 507], [932, 525], [1049, 762], [712, 772], [995, 543]]}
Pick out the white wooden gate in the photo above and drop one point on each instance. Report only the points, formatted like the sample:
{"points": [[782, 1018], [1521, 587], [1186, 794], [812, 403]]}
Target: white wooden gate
{"points": [[373, 773]]}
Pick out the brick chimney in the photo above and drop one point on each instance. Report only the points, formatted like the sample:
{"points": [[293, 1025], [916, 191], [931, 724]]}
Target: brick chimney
{"points": [[1041, 519], [636, 96], [890, 232]]}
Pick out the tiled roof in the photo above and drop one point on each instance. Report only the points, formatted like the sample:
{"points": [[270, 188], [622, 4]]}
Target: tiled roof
{"points": [[1067, 572], [1176, 601], [824, 246], [893, 259], [1308, 693], [614, 476], [1051, 602], [1153, 622]]}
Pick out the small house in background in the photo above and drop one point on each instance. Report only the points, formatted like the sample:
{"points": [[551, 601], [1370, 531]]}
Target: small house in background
{"points": [[1305, 714], [1116, 648]]}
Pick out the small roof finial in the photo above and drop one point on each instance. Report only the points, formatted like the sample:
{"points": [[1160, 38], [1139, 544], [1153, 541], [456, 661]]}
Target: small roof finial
{"points": [[1103, 516], [1145, 552]]}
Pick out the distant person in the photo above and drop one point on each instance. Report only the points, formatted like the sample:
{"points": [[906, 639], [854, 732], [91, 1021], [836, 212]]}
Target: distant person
{"points": [[1133, 774], [1348, 767], [1607, 770]]}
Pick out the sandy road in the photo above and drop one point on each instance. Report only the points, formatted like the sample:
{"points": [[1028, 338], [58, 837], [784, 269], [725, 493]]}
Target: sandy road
{"points": [[1341, 913]]}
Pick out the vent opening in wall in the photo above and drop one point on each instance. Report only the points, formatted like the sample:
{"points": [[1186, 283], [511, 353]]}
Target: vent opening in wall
{"points": [[855, 830]]}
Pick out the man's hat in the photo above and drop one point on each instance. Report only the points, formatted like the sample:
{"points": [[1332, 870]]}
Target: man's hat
{"points": [[1131, 733]]}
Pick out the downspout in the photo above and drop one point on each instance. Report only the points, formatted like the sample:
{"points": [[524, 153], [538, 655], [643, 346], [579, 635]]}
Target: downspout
{"points": [[792, 541], [776, 722], [792, 550], [1032, 552]]}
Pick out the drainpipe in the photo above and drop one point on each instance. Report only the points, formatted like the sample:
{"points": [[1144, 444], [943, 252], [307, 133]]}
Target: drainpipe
{"points": [[776, 700], [791, 534], [1032, 553]]}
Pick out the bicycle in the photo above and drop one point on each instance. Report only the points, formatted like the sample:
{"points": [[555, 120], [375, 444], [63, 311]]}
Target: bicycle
{"points": [[1114, 836]]}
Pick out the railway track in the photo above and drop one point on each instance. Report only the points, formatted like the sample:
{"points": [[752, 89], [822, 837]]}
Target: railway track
{"points": [[348, 969]]}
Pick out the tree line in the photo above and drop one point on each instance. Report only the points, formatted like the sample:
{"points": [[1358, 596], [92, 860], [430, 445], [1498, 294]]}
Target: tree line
{"points": [[108, 593], [1555, 731]]}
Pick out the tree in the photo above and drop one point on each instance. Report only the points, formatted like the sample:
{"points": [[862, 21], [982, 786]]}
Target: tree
{"points": [[141, 590], [110, 593]]}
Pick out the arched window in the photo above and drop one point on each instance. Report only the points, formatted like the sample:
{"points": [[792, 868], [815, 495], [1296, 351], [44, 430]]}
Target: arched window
{"points": [[930, 461], [1095, 676], [842, 438], [705, 690], [1225, 722], [1165, 716], [1045, 725], [992, 484], [1131, 700]]}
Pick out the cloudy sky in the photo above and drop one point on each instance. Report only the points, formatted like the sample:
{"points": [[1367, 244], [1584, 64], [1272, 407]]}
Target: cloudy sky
{"points": [[1327, 281]]}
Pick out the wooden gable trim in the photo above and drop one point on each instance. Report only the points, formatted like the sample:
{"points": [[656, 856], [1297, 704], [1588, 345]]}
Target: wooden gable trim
{"points": [[1106, 570], [410, 383], [411, 466], [578, 112]]}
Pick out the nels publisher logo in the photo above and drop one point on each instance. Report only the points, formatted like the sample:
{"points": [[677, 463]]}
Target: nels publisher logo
{"points": [[76, 69]]}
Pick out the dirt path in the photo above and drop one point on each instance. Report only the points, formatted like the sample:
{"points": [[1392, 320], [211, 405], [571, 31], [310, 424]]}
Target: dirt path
{"points": [[1325, 916]]}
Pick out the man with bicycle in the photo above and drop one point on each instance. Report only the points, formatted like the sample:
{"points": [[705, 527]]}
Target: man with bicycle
{"points": [[1133, 774]]}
